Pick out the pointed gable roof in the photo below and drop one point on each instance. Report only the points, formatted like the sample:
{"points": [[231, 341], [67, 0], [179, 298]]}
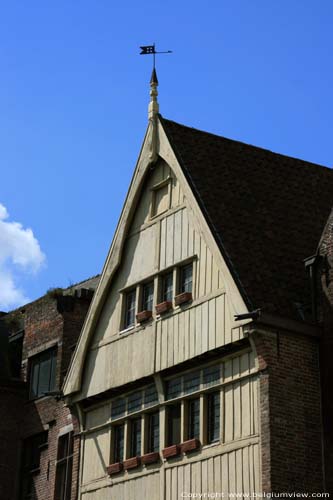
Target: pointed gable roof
{"points": [[266, 211]]}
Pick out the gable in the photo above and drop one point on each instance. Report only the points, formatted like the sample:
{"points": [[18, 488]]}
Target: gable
{"points": [[162, 228]]}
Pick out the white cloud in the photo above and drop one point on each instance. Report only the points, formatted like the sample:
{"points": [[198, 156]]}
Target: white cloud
{"points": [[19, 253]]}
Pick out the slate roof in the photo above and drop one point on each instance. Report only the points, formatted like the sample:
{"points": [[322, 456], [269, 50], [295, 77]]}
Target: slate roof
{"points": [[266, 211]]}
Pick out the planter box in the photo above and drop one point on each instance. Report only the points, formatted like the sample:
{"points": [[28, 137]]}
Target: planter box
{"points": [[143, 316], [150, 458], [163, 307], [132, 463], [182, 298], [114, 468], [171, 451], [190, 445]]}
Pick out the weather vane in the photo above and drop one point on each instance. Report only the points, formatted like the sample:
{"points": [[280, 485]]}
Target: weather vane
{"points": [[150, 49]]}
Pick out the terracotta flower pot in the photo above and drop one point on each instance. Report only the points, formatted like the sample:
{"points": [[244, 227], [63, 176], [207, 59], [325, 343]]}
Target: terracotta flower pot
{"points": [[190, 445], [143, 316], [150, 458], [182, 298], [171, 451], [132, 463], [114, 468], [163, 307]]}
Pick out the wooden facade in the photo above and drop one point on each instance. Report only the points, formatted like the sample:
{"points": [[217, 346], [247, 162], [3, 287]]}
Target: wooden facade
{"points": [[113, 361]]}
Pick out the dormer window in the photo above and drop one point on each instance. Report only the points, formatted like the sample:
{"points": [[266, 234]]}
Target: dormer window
{"points": [[161, 195]]}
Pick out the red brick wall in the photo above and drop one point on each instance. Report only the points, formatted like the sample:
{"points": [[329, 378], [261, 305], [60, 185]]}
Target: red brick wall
{"points": [[48, 321], [290, 412]]}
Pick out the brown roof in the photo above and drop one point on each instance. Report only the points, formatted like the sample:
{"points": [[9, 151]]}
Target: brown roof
{"points": [[267, 212]]}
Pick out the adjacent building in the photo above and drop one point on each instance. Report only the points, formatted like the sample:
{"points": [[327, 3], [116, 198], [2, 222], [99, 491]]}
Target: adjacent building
{"points": [[39, 436], [199, 367]]}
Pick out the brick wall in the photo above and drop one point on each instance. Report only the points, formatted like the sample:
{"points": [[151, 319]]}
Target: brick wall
{"points": [[290, 412], [50, 321]]}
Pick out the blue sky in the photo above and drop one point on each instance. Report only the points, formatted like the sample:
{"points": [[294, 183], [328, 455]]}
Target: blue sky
{"points": [[73, 110]]}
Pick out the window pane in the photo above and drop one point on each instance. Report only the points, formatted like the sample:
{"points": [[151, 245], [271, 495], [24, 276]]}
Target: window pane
{"points": [[136, 437], [34, 380], [154, 432], [186, 278], [211, 376], [118, 447], [60, 485], [194, 419], [134, 402], [191, 382], [43, 373], [63, 446], [118, 408], [174, 388], [147, 296], [213, 416], [167, 287], [151, 396], [173, 424], [130, 309]]}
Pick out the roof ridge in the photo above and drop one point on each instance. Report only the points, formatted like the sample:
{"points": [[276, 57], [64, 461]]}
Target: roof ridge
{"points": [[259, 148]]}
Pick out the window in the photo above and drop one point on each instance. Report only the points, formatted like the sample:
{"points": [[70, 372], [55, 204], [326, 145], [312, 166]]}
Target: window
{"points": [[151, 396], [42, 373], [194, 418], [30, 462], [191, 382], [174, 414], [167, 287], [134, 402], [64, 466], [118, 408], [135, 437], [147, 296], [129, 316], [185, 282], [213, 417], [174, 388], [153, 432], [118, 443], [160, 199]]}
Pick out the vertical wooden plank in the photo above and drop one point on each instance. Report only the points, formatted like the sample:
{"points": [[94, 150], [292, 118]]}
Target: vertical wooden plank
{"points": [[192, 332], [187, 478], [164, 351], [227, 323], [186, 333], [176, 339], [225, 475], [169, 240], [212, 324], [235, 367], [256, 468], [168, 484], [252, 362], [217, 474], [202, 268], [244, 364], [227, 372], [204, 326], [220, 332], [197, 251], [158, 346], [181, 334], [228, 414], [169, 325], [174, 483], [209, 271], [178, 237], [163, 244], [190, 239], [232, 472], [184, 236], [239, 471], [246, 407], [255, 405], [246, 471], [204, 476], [198, 336], [251, 470], [215, 276], [237, 410], [211, 475], [180, 471], [235, 335]]}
